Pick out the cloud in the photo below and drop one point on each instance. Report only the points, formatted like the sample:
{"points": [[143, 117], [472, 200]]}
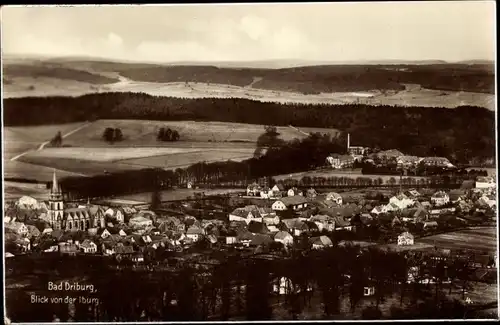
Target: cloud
{"points": [[114, 40], [253, 26]]}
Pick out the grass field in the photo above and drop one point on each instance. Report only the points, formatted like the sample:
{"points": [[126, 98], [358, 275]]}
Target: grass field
{"points": [[19, 139], [178, 194], [143, 133], [105, 154], [187, 159], [480, 239]]}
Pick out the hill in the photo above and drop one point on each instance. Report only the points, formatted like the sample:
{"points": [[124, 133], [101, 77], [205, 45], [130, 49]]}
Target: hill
{"points": [[23, 78]]}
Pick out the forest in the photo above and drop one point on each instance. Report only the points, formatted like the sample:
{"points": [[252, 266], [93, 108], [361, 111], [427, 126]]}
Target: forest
{"points": [[464, 133]]}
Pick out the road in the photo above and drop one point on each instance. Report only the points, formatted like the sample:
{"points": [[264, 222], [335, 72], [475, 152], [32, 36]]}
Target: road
{"points": [[298, 130], [47, 142]]}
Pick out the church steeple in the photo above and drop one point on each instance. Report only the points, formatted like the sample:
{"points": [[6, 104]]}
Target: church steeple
{"points": [[55, 186]]}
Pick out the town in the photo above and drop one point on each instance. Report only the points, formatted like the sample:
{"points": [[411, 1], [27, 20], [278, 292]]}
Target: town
{"points": [[270, 221]]}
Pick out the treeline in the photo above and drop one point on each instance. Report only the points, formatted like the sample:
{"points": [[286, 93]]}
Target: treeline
{"points": [[420, 170], [462, 134]]}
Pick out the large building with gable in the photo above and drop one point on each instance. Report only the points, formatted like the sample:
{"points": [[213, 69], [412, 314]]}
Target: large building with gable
{"points": [[80, 218]]}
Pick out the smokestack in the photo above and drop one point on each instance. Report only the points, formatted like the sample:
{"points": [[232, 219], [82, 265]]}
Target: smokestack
{"points": [[348, 141]]}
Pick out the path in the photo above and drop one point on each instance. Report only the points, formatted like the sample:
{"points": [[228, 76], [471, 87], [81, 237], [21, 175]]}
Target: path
{"points": [[298, 130], [47, 142]]}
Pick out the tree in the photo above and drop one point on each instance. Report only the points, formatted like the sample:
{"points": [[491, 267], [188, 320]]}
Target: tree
{"points": [[56, 140], [161, 134], [118, 135], [175, 135], [168, 135], [108, 135], [155, 198]]}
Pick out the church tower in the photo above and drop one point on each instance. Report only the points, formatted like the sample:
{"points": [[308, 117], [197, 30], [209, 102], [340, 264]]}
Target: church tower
{"points": [[56, 205]]}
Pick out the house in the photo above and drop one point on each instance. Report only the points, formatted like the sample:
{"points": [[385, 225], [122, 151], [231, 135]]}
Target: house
{"points": [[245, 237], [436, 162], [260, 240], [295, 226], [341, 223], [320, 242], [377, 210], [104, 233], [323, 222], [440, 198], [335, 197], [456, 195], [389, 155], [266, 193], [293, 191], [140, 222], [253, 190], [391, 207], [485, 182], [88, 247], [33, 232], [311, 193], [68, 248], [412, 194], [407, 161], [296, 202], [257, 228], [430, 224], [138, 258], [402, 201], [245, 214], [17, 227], [283, 237], [406, 239], [340, 161], [195, 233], [116, 214], [417, 214], [271, 220], [277, 190]]}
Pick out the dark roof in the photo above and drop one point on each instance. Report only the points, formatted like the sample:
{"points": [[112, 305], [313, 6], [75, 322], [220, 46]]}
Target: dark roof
{"points": [[257, 227], [260, 239]]}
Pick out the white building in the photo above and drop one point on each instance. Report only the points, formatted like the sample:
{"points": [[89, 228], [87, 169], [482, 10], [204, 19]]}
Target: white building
{"points": [[406, 239], [440, 198]]}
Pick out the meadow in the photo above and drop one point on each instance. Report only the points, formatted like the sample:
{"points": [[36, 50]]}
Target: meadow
{"points": [[143, 133], [85, 153], [479, 239]]}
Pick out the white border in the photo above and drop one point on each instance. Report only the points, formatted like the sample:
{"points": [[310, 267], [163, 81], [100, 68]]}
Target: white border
{"points": [[270, 321]]}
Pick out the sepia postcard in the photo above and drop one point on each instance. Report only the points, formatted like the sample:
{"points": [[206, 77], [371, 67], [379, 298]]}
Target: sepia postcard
{"points": [[249, 162]]}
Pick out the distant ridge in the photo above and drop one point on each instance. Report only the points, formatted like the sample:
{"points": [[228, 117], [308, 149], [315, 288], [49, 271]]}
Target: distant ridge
{"points": [[259, 64]]}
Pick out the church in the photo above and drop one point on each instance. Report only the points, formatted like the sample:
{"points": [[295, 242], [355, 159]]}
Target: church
{"points": [[80, 218]]}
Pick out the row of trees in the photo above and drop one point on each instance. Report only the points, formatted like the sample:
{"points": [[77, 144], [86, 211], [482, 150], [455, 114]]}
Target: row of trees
{"points": [[464, 133], [167, 134], [112, 135]]}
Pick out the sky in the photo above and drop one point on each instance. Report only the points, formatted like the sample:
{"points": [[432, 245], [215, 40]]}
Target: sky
{"points": [[450, 31]]}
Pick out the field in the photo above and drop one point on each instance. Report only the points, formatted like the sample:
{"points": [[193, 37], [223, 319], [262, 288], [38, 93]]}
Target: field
{"points": [[480, 239], [446, 85], [105, 154], [178, 194], [85, 153], [20, 139], [143, 133], [172, 161]]}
